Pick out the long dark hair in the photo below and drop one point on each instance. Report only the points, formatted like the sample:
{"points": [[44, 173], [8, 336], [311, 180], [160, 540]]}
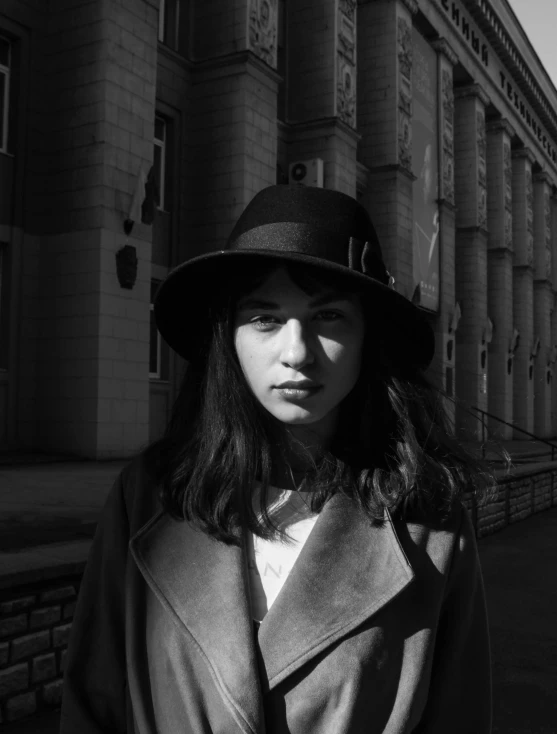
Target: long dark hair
{"points": [[393, 447]]}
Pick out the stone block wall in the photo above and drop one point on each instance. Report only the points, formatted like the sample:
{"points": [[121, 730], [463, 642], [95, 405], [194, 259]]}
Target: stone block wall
{"points": [[35, 622], [514, 499]]}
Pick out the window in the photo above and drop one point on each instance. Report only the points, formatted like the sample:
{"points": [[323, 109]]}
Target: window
{"points": [[158, 351], [159, 158], [172, 27], [5, 63]]}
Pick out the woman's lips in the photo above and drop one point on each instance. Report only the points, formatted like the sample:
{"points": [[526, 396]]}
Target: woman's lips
{"points": [[291, 391]]}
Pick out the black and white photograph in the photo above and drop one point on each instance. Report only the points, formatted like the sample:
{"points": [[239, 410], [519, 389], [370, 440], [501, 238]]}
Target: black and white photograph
{"points": [[278, 335]]}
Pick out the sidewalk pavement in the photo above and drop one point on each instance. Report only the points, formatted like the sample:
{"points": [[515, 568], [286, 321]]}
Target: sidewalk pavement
{"points": [[519, 565], [48, 514]]}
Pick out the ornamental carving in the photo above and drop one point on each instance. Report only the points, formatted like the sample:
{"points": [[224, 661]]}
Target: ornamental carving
{"points": [[405, 48], [348, 8], [547, 215], [346, 38], [262, 35], [482, 147], [529, 248], [482, 207], [346, 62], [508, 229], [405, 140], [529, 201], [447, 96], [346, 91], [448, 178], [508, 175]]}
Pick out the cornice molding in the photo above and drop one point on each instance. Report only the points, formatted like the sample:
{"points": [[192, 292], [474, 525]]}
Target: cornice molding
{"points": [[543, 177], [524, 153], [472, 90], [442, 46], [501, 125]]}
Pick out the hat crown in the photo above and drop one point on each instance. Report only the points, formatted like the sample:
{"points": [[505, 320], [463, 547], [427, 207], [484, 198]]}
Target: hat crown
{"points": [[313, 222]]}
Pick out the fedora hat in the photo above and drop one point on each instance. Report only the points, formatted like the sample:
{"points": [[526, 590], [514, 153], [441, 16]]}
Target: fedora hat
{"points": [[298, 224]]}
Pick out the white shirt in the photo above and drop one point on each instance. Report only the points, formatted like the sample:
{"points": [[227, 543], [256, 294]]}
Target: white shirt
{"points": [[270, 561]]}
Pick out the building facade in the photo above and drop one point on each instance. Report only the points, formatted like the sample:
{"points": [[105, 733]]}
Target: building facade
{"points": [[133, 133]]}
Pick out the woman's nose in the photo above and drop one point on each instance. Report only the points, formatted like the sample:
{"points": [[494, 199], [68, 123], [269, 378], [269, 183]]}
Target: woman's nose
{"points": [[296, 351]]}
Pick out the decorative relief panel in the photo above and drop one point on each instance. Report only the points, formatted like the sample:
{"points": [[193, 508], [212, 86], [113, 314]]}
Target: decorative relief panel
{"points": [[529, 217], [482, 170], [404, 52], [346, 62], [508, 179], [348, 8], [508, 174], [405, 65], [482, 147], [262, 35], [404, 139], [547, 218], [508, 229], [447, 101]]}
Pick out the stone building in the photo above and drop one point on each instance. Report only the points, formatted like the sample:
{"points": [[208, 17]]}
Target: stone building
{"points": [[133, 132]]}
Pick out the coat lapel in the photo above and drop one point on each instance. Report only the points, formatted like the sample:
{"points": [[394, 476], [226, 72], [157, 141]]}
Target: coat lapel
{"points": [[202, 582], [347, 570]]}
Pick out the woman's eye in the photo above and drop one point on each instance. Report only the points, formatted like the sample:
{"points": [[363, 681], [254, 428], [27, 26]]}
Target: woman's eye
{"points": [[329, 315], [264, 322]]}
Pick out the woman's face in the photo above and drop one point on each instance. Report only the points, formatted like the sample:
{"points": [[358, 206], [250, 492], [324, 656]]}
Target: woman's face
{"points": [[300, 353]]}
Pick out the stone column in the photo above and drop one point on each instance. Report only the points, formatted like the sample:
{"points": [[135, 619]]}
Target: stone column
{"points": [[553, 351], [523, 294], [543, 303], [321, 104], [232, 118], [471, 256], [385, 123], [500, 275], [444, 363]]}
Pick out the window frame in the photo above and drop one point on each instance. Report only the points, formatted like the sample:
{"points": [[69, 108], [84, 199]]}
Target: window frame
{"points": [[163, 373], [161, 144], [6, 72], [170, 10], [155, 375]]}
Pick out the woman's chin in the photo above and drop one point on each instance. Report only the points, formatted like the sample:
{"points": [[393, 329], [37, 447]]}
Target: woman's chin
{"points": [[297, 417]]}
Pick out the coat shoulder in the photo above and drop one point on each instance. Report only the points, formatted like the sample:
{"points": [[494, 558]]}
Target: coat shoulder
{"points": [[140, 492]]}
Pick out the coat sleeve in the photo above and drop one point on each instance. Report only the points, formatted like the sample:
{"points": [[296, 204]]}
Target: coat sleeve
{"points": [[459, 698], [94, 694]]}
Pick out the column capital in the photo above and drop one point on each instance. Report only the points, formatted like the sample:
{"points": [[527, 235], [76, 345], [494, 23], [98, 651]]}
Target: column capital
{"points": [[525, 153], [442, 46], [501, 125], [543, 177], [472, 90]]}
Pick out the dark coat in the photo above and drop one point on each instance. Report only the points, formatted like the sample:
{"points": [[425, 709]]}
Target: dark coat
{"points": [[378, 629]]}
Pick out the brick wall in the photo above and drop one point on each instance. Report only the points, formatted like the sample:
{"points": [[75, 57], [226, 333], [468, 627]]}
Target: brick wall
{"points": [[514, 499], [35, 622]]}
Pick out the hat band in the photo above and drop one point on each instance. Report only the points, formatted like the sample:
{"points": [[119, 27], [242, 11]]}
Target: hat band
{"points": [[303, 239]]}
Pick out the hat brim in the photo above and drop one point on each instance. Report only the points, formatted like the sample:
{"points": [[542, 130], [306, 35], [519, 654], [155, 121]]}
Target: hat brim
{"points": [[182, 304]]}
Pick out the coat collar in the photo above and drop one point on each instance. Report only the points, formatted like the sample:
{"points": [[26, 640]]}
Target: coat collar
{"points": [[347, 570]]}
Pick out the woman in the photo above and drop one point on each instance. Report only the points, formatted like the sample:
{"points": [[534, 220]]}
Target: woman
{"points": [[292, 556]]}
